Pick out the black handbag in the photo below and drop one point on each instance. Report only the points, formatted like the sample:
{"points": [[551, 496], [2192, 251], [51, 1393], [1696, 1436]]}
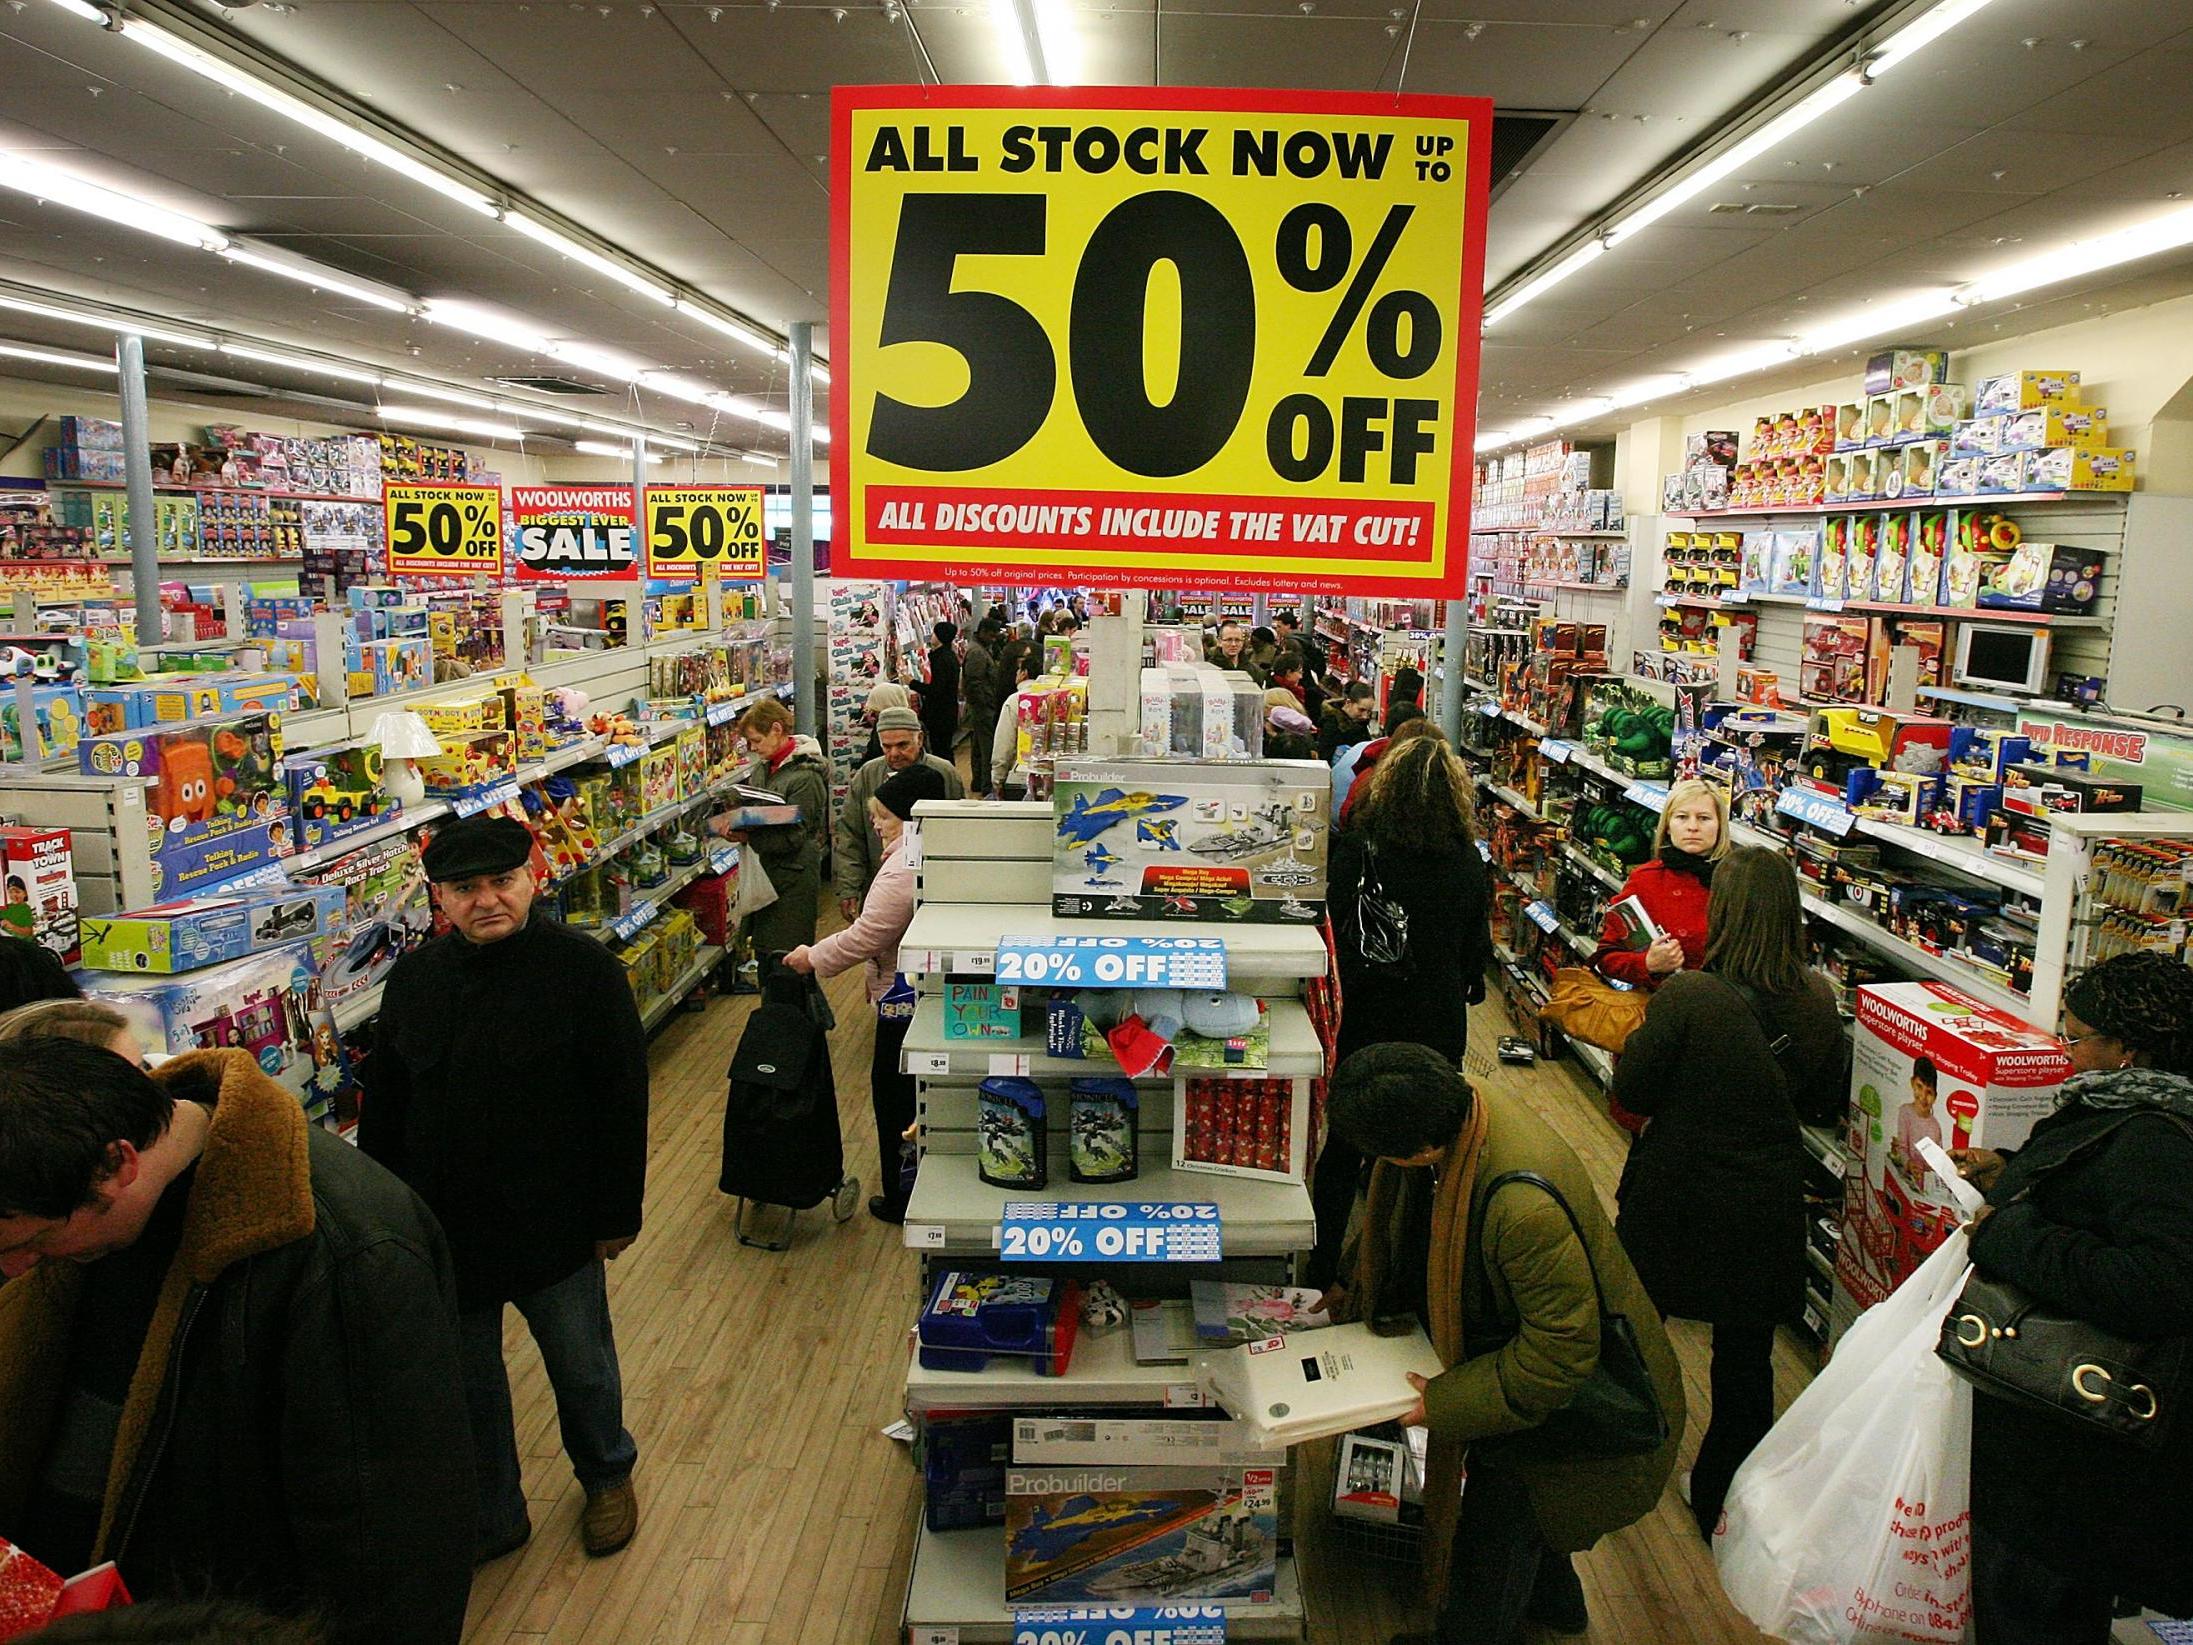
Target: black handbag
{"points": [[1381, 924], [2005, 1343], [1616, 1413]]}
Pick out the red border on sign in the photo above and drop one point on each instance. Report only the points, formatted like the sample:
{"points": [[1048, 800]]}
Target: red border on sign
{"points": [[1475, 112]]}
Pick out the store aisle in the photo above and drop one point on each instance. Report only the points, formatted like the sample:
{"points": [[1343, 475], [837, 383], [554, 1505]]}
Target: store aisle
{"points": [[774, 1512]]}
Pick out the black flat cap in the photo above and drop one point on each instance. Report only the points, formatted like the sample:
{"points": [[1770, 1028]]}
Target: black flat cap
{"points": [[476, 845]]}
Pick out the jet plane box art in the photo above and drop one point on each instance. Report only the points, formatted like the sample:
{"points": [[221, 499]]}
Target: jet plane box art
{"points": [[1204, 840], [1140, 1536]]}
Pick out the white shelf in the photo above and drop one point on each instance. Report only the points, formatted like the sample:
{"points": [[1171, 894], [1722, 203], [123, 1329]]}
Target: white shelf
{"points": [[1959, 851], [941, 930], [1295, 1048], [1613, 882], [1102, 1371], [703, 962], [1938, 966], [958, 1582], [1256, 1218], [1601, 1063], [1508, 796]]}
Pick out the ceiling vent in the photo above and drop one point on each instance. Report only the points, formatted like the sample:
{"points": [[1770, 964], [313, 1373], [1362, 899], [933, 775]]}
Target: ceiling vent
{"points": [[1732, 208], [549, 385]]}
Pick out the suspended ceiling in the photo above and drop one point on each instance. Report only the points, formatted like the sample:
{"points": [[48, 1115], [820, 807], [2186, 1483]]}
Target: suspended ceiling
{"points": [[694, 136]]}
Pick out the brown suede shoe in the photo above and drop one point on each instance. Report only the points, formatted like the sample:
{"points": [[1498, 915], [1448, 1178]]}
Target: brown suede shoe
{"points": [[610, 1519]]}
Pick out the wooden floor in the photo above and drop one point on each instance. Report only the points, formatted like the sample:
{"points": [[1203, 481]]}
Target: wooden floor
{"points": [[772, 1507]]}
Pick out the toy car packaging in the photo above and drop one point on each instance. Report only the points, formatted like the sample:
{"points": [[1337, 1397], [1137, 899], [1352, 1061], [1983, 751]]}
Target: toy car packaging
{"points": [[1929, 1062], [335, 791], [38, 877], [268, 1004], [1198, 840], [213, 800], [1139, 1536], [971, 1316], [183, 936], [385, 915]]}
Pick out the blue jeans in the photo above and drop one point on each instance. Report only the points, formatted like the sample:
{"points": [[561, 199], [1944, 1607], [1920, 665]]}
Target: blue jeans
{"points": [[570, 1324]]}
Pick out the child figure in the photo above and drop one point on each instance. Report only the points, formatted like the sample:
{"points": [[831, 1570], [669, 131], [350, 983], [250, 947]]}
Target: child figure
{"points": [[1917, 1120]]}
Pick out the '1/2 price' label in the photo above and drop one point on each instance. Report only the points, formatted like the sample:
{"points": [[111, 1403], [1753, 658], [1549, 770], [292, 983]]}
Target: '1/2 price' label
{"points": [[443, 530], [1164, 337], [690, 528], [1064, 1231]]}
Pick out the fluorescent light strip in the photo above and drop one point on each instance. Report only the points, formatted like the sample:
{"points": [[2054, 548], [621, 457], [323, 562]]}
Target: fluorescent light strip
{"points": [[61, 188], [308, 273], [90, 13], [120, 327], [448, 396], [735, 329], [245, 84], [1787, 124], [47, 357], [1018, 45], [1575, 263], [421, 417], [595, 448], [2165, 233], [298, 362], [563, 245]]}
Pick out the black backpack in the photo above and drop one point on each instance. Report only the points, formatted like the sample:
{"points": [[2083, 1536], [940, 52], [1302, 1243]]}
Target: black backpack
{"points": [[781, 1143]]}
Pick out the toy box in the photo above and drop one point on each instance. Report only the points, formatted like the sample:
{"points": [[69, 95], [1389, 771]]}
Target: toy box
{"points": [[1900, 368], [2052, 425], [1929, 551], [397, 664], [213, 796], [1880, 419], [1929, 1062], [1943, 407], [1211, 840], [470, 762], [37, 870], [2075, 468], [2038, 790], [269, 1004], [1922, 469], [1131, 1536], [183, 936], [981, 1011], [485, 712], [2043, 577], [1201, 713], [974, 1316], [1892, 559], [58, 716], [386, 913], [333, 791], [1241, 1127], [1192, 1437], [2002, 474], [2022, 390], [963, 1457], [1795, 567]]}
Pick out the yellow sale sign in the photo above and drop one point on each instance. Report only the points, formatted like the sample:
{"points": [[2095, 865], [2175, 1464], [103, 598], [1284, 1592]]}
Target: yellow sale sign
{"points": [[1156, 337], [443, 530], [690, 528]]}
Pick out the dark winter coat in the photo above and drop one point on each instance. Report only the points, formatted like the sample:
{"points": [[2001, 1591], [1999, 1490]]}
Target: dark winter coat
{"points": [[1713, 1197], [1450, 944], [508, 1085], [792, 854], [2107, 1238], [305, 1446], [940, 701], [1336, 730]]}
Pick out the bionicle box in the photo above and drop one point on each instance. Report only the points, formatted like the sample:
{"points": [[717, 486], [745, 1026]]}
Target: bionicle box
{"points": [[269, 1004], [1198, 840], [40, 888], [214, 807], [185, 936], [385, 915], [1136, 1536], [1929, 1062]]}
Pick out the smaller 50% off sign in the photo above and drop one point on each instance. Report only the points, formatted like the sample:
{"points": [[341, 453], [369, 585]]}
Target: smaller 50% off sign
{"points": [[443, 530]]}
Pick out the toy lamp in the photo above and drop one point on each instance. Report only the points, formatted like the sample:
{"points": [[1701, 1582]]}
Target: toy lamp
{"points": [[404, 737]]}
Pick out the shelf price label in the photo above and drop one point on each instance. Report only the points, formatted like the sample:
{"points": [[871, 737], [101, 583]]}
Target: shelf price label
{"points": [[1138, 1231], [1649, 795], [1120, 1625], [1808, 806], [723, 859], [1163, 336], [443, 530], [1556, 750], [690, 528], [1542, 915], [1112, 962], [471, 805], [629, 925]]}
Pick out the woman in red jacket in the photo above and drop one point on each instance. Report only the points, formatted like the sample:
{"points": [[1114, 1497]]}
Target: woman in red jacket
{"points": [[1674, 884]]}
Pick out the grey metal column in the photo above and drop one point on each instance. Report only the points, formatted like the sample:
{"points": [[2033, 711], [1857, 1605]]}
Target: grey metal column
{"points": [[144, 535], [1451, 692], [803, 525]]}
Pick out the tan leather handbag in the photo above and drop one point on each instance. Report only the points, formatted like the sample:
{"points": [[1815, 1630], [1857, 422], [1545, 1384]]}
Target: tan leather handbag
{"points": [[1585, 1006]]}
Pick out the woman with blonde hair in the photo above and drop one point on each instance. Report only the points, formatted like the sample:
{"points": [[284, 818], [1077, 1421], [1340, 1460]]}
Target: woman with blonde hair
{"points": [[1409, 907], [1673, 884], [85, 1020]]}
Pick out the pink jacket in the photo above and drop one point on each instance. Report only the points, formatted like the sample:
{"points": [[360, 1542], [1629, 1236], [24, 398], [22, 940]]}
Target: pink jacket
{"points": [[885, 913]]}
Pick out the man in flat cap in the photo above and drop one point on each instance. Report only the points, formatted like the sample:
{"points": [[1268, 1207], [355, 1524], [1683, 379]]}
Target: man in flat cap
{"points": [[508, 1087], [859, 846]]}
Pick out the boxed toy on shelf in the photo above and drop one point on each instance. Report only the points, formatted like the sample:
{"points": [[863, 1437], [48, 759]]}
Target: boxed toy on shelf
{"points": [[1132, 1536], [1221, 840], [1201, 713], [185, 936], [386, 913], [335, 790], [1242, 1127], [1929, 1062], [214, 804], [40, 903]]}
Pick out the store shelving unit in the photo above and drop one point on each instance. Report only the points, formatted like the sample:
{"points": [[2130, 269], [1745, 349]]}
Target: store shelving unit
{"points": [[1002, 853]]}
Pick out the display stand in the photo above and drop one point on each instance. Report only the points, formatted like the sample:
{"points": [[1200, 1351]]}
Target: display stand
{"points": [[984, 877]]}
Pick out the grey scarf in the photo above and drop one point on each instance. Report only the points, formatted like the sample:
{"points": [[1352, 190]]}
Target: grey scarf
{"points": [[2129, 1088]]}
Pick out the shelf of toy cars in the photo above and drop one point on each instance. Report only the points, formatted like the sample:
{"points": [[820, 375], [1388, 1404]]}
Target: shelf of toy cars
{"points": [[1102, 1370], [1894, 505], [1938, 966], [704, 961], [953, 1210], [956, 1593], [944, 936], [1958, 851], [1294, 1051]]}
